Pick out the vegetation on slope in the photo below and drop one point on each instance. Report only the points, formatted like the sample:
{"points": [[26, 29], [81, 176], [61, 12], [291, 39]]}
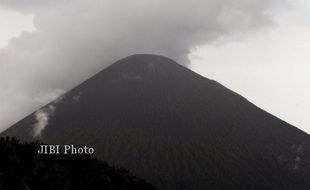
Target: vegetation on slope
{"points": [[21, 167]]}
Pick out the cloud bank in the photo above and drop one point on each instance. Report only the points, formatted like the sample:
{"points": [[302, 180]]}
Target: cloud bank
{"points": [[75, 39]]}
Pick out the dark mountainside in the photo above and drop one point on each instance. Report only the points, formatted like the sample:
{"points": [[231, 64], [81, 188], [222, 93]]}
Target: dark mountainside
{"points": [[21, 168], [177, 129]]}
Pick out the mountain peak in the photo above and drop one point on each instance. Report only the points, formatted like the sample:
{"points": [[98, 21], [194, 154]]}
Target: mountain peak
{"points": [[175, 128], [148, 68], [146, 59], [146, 64]]}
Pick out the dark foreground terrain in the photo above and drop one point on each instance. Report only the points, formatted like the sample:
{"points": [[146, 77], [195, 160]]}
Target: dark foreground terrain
{"points": [[176, 129], [21, 168]]}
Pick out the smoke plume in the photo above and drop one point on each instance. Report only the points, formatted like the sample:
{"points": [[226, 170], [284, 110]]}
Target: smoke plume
{"points": [[42, 118]]}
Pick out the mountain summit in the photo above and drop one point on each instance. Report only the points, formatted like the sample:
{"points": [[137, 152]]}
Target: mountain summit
{"points": [[175, 128]]}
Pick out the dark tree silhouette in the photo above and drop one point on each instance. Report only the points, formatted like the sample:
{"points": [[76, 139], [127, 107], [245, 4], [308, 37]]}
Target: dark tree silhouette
{"points": [[22, 168]]}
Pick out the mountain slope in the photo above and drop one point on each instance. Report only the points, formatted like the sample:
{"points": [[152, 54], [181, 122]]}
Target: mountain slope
{"points": [[176, 129]]}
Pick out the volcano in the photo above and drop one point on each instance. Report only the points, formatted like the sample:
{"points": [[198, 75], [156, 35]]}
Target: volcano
{"points": [[175, 128]]}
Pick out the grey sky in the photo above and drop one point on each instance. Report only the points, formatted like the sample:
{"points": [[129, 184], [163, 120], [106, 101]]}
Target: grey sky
{"points": [[74, 39], [270, 68]]}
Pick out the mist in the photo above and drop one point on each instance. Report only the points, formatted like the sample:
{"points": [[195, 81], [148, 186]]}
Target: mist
{"points": [[75, 39]]}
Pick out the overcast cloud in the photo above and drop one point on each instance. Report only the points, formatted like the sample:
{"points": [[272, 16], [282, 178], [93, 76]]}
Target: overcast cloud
{"points": [[74, 39]]}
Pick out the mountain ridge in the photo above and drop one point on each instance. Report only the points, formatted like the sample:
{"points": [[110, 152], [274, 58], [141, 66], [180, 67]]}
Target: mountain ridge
{"points": [[176, 129]]}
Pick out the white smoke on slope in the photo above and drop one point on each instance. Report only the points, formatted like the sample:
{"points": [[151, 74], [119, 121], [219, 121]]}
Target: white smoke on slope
{"points": [[42, 119]]}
